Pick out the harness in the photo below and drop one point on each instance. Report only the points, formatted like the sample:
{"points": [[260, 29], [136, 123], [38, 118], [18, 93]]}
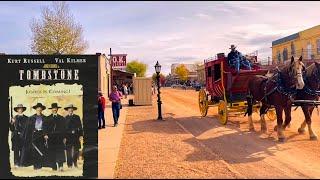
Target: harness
{"points": [[289, 92], [310, 91]]}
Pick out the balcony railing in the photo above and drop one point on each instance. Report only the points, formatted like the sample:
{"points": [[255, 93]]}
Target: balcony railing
{"points": [[311, 54]]}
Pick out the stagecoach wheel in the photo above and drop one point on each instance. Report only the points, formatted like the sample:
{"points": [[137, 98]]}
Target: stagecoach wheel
{"points": [[223, 112], [271, 114], [203, 102]]}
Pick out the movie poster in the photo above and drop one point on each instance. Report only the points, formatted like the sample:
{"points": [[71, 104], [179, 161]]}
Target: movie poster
{"points": [[49, 123]]}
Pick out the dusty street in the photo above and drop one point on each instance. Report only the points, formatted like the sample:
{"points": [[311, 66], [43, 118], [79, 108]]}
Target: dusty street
{"points": [[186, 145]]}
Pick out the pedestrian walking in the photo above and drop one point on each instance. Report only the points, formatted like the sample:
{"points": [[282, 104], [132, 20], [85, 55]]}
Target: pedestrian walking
{"points": [[101, 108], [115, 98], [131, 87], [125, 91]]}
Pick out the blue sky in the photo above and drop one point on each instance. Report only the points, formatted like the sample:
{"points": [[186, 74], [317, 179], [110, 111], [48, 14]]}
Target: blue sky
{"points": [[169, 32]]}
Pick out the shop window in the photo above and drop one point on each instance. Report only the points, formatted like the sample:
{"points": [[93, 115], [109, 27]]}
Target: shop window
{"points": [[285, 54], [293, 49], [279, 57], [318, 46]]}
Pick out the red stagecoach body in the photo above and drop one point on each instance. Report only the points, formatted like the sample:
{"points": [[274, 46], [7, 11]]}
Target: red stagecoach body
{"points": [[233, 84]]}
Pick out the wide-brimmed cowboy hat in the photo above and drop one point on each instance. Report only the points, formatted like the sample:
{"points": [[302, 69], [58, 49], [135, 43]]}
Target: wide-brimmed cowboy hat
{"points": [[232, 46], [70, 106], [39, 105], [54, 105], [19, 106]]}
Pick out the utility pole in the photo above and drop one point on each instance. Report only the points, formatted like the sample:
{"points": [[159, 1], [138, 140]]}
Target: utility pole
{"points": [[111, 73]]}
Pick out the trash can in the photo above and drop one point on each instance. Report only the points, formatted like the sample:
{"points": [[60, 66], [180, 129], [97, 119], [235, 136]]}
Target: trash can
{"points": [[131, 102]]}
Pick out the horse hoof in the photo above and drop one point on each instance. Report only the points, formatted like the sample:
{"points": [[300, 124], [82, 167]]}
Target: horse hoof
{"points": [[251, 129], [275, 128], [263, 130], [281, 139], [313, 138], [301, 131], [289, 125], [284, 127]]}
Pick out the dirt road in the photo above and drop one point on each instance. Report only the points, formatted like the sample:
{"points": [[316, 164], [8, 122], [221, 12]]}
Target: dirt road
{"points": [[207, 144]]}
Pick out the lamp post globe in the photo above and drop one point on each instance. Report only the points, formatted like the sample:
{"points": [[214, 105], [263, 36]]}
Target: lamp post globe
{"points": [[158, 69]]}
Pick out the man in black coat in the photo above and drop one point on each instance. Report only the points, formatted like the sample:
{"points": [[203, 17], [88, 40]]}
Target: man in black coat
{"points": [[18, 126], [237, 60], [35, 136], [54, 133], [74, 136]]}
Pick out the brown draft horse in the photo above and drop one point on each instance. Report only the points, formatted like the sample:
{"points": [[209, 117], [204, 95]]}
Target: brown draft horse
{"points": [[310, 92], [276, 91]]}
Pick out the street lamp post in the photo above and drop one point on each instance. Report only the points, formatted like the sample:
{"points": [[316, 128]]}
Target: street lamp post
{"points": [[158, 69]]}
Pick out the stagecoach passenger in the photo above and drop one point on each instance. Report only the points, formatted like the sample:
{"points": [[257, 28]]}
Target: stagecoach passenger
{"points": [[237, 60]]}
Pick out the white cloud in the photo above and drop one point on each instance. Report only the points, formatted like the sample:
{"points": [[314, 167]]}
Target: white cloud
{"points": [[203, 16], [190, 30]]}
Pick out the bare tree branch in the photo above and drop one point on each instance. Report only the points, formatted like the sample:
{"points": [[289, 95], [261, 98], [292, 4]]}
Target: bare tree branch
{"points": [[57, 32]]}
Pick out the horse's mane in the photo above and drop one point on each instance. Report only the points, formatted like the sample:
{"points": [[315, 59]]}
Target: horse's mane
{"points": [[284, 68], [311, 69]]}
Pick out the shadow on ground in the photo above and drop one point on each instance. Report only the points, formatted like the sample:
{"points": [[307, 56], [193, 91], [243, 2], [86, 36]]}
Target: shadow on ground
{"points": [[229, 142]]}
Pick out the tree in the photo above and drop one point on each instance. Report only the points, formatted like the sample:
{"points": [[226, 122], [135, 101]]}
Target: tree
{"points": [[162, 79], [57, 32], [182, 72], [137, 67]]}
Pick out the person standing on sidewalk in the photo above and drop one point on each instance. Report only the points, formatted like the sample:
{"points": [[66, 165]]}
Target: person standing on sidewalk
{"points": [[115, 98], [101, 108]]}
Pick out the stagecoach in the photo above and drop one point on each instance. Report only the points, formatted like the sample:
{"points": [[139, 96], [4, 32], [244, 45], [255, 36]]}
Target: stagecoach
{"points": [[227, 88]]}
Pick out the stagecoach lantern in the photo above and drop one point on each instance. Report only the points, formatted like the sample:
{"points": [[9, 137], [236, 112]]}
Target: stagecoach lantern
{"points": [[157, 67]]}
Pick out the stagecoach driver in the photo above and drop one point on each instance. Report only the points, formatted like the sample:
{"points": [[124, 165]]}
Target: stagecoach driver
{"points": [[236, 59]]}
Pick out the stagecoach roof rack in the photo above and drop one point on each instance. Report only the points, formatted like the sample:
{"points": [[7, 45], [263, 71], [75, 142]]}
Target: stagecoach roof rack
{"points": [[210, 59], [216, 57]]}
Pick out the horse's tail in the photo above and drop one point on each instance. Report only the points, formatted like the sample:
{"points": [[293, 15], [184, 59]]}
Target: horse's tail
{"points": [[249, 104], [249, 101]]}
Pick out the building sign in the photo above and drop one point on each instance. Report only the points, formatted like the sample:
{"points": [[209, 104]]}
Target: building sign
{"points": [[119, 61]]}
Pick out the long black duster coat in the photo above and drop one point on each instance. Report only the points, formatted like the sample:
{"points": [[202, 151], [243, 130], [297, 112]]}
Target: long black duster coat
{"points": [[74, 130], [18, 137], [55, 129], [32, 138]]}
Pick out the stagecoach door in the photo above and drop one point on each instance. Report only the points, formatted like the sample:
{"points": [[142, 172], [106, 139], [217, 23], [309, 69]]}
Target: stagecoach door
{"points": [[209, 77]]}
